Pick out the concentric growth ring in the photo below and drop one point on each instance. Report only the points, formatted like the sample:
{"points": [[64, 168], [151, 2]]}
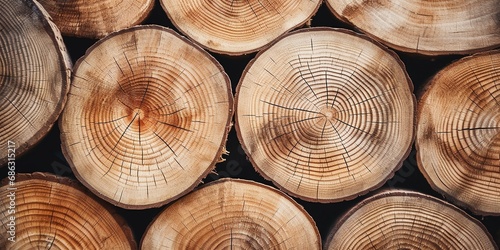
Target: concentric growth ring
{"points": [[96, 18], [408, 220], [458, 138], [326, 114], [238, 27], [147, 117], [235, 214], [35, 71], [58, 213]]}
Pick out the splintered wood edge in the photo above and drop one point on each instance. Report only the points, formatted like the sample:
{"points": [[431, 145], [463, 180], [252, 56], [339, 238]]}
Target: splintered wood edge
{"points": [[242, 53], [385, 49], [249, 182], [49, 177], [66, 66], [222, 148], [407, 49], [380, 194], [425, 92]]}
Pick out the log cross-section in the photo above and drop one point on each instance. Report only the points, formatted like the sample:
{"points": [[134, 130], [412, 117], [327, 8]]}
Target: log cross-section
{"points": [[458, 132], [401, 219], [425, 27], [147, 117], [35, 71], [233, 214], [238, 27], [44, 211], [326, 114]]}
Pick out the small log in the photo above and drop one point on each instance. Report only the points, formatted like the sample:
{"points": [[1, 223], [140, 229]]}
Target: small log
{"points": [[147, 117], [35, 73], [400, 219], [238, 27], [54, 212], [426, 27], [458, 138], [233, 214], [96, 18], [326, 114]]}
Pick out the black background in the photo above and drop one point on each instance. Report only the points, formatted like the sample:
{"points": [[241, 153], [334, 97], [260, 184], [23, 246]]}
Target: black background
{"points": [[47, 155]]}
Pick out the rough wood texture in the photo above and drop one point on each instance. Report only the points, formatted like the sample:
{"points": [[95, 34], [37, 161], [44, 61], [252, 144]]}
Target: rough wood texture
{"points": [[96, 18], [325, 114], [400, 219], [238, 27], [425, 27], [147, 117], [34, 74], [58, 213], [458, 138], [233, 214]]}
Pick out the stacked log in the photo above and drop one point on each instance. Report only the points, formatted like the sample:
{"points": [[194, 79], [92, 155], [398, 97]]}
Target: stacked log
{"points": [[96, 18], [147, 117], [458, 142], [326, 114], [233, 214], [238, 27], [34, 75], [426, 27], [401, 219], [44, 211]]}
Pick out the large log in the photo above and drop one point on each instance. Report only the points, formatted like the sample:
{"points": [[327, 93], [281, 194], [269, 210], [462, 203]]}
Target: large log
{"points": [[96, 18], [425, 27], [35, 73], [238, 27], [400, 219], [233, 214], [147, 117], [326, 114], [44, 211], [458, 138]]}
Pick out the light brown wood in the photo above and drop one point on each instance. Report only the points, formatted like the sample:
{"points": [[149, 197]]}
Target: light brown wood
{"points": [[54, 212], [238, 27], [233, 214], [147, 117], [96, 18], [34, 75], [401, 219], [458, 138], [425, 27], [326, 114]]}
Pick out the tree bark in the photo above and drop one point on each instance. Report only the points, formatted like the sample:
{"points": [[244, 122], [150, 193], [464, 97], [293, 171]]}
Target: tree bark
{"points": [[458, 138], [35, 73], [147, 117], [96, 18], [233, 213], [54, 212], [238, 27], [326, 114], [425, 27], [400, 219]]}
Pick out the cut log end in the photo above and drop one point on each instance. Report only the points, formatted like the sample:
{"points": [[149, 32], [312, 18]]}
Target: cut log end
{"points": [[54, 212], [96, 18], [233, 214], [326, 114], [426, 27], [458, 133], [401, 219], [35, 73], [147, 117], [238, 27]]}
